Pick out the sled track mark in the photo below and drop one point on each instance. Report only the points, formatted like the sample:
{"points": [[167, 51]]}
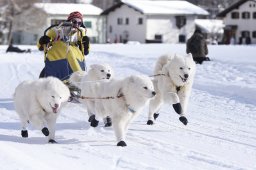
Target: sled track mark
{"points": [[218, 137], [202, 158]]}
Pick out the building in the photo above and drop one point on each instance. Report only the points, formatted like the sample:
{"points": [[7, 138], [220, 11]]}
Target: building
{"points": [[148, 21], [240, 21], [58, 12]]}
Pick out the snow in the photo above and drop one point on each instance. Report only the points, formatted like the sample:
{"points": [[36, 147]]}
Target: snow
{"points": [[67, 8], [220, 135], [166, 7]]}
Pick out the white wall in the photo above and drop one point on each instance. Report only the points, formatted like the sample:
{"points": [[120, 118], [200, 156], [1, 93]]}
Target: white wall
{"points": [[136, 32]]}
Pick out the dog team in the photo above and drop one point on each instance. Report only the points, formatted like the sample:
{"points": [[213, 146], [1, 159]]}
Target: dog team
{"points": [[115, 101]]}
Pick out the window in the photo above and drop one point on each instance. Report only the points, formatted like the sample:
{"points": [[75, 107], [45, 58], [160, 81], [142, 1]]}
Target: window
{"points": [[127, 21], [110, 29], [245, 33], [235, 15], [254, 15], [245, 15], [180, 21], [158, 37], [254, 34], [119, 21], [140, 21], [35, 37], [88, 24], [182, 38]]}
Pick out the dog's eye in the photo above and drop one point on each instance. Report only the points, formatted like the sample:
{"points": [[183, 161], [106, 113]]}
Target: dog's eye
{"points": [[181, 68], [145, 88], [189, 68], [102, 70], [53, 97]]}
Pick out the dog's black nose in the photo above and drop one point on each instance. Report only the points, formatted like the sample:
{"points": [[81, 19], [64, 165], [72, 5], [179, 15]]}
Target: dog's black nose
{"points": [[186, 76], [153, 93], [108, 75]]}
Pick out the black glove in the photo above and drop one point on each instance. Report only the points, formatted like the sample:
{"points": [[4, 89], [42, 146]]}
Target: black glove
{"points": [[44, 40], [86, 42]]}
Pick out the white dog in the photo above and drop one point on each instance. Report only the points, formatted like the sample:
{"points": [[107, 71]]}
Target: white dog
{"points": [[96, 72], [121, 100], [173, 82], [39, 102]]}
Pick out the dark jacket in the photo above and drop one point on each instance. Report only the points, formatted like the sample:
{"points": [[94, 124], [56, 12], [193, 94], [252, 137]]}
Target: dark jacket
{"points": [[197, 45]]}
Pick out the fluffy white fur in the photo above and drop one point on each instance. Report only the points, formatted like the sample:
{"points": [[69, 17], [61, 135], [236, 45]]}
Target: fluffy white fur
{"points": [[96, 72], [173, 81], [126, 98], [39, 102]]}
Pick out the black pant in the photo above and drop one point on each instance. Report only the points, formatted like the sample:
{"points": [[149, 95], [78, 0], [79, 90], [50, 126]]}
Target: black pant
{"points": [[200, 60]]}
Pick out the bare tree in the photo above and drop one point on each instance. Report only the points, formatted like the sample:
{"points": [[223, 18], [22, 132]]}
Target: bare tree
{"points": [[19, 15]]}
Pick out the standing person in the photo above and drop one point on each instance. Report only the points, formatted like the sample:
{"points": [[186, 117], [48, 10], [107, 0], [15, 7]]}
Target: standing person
{"points": [[65, 47], [197, 46]]}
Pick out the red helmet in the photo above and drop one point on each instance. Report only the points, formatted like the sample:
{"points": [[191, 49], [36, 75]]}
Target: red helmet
{"points": [[75, 14]]}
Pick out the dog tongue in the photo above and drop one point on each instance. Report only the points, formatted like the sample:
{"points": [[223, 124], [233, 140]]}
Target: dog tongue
{"points": [[55, 109]]}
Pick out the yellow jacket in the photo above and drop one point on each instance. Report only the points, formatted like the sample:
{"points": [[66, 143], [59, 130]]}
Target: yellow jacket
{"points": [[64, 54]]}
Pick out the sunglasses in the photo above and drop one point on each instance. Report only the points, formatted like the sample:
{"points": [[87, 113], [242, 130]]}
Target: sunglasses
{"points": [[75, 22]]}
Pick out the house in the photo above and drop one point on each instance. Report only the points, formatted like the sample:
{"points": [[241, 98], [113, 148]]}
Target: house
{"points": [[240, 21], [58, 12], [148, 21]]}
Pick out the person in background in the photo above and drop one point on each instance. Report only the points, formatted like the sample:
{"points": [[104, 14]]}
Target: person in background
{"points": [[197, 46], [65, 48], [12, 48]]}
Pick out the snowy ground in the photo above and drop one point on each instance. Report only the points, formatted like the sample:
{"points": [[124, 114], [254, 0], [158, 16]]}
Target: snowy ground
{"points": [[221, 133]]}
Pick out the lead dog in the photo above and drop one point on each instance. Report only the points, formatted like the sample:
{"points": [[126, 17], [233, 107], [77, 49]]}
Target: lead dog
{"points": [[122, 100], [173, 81], [39, 102]]}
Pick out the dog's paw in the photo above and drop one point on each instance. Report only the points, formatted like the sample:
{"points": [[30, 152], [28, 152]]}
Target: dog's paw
{"points": [[45, 131], [156, 115], [108, 122], [121, 143], [177, 108], [91, 118], [150, 122], [52, 141], [24, 133], [94, 123], [183, 120]]}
